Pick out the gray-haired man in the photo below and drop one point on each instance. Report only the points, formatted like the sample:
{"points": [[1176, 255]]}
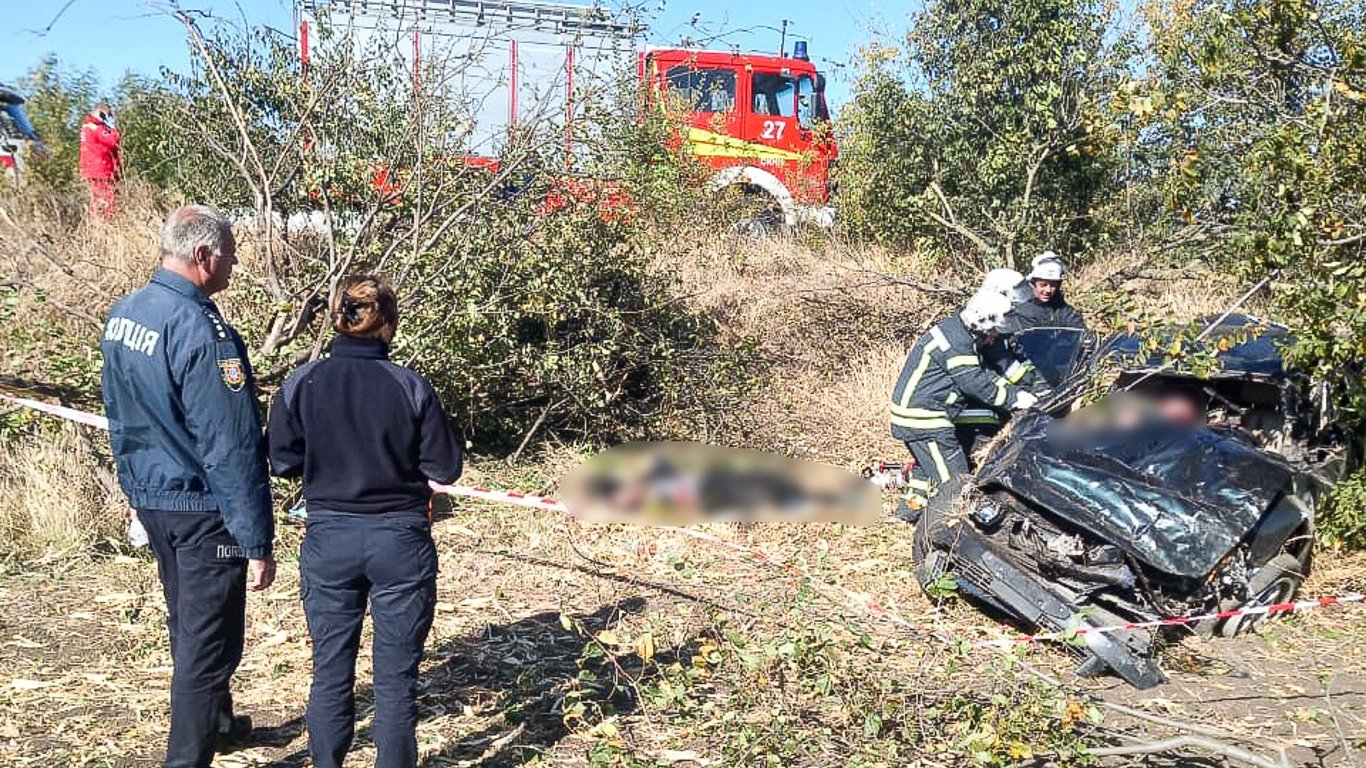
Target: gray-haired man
{"points": [[187, 440]]}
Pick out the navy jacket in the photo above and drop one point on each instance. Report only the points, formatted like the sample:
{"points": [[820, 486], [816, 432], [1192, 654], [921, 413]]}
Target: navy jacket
{"points": [[1057, 313], [365, 433], [183, 419], [944, 374]]}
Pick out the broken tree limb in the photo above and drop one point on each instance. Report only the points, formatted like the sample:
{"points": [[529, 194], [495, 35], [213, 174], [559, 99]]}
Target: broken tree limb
{"points": [[1194, 742]]}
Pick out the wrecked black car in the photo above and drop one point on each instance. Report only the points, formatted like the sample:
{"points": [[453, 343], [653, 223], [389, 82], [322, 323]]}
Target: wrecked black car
{"points": [[1169, 474]]}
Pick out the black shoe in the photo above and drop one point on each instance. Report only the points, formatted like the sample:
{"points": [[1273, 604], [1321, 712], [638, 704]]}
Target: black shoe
{"points": [[904, 512], [233, 732]]}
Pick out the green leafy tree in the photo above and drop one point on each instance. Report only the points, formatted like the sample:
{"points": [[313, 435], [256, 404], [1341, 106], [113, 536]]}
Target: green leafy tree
{"points": [[1260, 108], [57, 100], [984, 138], [534, 301]]}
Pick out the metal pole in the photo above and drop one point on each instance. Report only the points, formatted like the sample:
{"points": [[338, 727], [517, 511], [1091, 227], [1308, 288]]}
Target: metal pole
{"points": [[782, 46], [569, 109], [512, 96], [417, 57]]}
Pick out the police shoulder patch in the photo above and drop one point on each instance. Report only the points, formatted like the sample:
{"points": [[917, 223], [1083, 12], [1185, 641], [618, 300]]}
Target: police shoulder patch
{"points": [[234, 375]]}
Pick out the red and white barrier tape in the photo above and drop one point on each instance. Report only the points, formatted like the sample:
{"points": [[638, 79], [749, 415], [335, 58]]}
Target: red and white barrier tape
{"points": [[868, 604], [530, 501], [1267, 610], [70, 414]]}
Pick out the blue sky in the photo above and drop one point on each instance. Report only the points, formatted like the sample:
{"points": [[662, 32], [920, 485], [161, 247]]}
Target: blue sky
{"points": [[112, 37]]}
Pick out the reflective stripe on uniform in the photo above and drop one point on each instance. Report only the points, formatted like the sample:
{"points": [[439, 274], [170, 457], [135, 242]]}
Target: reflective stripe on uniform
{"points": [[1001, 393], [1017, 371], [951, 399], [933, 424], [962, 361], [977, 416], [939, 465], [939, 339], [917, 413], [920, 418], [916, 375]]}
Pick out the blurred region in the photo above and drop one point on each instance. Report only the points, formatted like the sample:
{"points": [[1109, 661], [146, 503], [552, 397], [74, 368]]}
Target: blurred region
{"points": [[1173, 406], [679, 483]]}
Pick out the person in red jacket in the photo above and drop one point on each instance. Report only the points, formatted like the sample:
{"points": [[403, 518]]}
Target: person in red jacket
{"points": [[100, 159]]}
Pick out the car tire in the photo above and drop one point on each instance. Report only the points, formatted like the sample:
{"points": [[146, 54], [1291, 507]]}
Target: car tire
{"points": [[1273, 583]]}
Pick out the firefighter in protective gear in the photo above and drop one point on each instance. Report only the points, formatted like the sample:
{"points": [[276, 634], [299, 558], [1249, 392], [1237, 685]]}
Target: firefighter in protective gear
{"points": [[100, 159], [978, 421], [1009, 283], [1047, 308], [942, 374]]}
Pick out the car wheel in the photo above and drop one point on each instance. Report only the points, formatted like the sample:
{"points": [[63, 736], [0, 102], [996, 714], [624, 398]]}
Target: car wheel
{"points": [[1272, 584]]}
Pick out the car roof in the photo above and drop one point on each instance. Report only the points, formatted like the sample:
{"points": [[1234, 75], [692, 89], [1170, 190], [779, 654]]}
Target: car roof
{"points": [[1253, 348]]}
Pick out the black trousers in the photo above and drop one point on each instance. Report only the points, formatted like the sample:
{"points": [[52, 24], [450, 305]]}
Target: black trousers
{"points": [[389, 561], [940, 468], [204, 578]]}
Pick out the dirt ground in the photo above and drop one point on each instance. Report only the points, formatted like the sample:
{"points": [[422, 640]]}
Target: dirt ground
{"points": [[87, 670]]}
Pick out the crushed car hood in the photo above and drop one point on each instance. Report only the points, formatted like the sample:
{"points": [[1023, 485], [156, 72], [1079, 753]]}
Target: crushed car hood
{"points": [[1176, 499]]}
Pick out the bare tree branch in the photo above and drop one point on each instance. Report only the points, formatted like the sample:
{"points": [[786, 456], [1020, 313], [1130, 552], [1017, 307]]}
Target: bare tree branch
{"points": [[949, 222]]}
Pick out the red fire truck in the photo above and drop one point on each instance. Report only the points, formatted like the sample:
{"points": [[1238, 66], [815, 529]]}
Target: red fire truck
{"points": [[759, 122]]}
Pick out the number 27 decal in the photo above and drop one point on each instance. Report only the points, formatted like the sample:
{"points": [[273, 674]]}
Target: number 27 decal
{"points": [[773, 129]]}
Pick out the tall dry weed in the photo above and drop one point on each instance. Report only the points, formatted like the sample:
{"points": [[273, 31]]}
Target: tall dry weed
{"points": [[62, 273], [57, 501], [832, 321], [79, 262]]}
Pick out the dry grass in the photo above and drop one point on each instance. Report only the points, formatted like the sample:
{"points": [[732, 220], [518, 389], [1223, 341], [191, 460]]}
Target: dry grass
{"points": [[87, 665], [1168, 294], [58, 497], [48, 245], [833, 324], [835, 321]]}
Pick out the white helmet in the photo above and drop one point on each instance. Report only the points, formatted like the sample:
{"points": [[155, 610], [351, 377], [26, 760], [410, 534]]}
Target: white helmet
{"points": [[986, 311], [1008, 283], [1047, 266]]}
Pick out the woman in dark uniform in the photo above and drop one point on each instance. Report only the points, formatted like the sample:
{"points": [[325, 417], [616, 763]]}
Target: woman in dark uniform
{"points": [[366, 435]]}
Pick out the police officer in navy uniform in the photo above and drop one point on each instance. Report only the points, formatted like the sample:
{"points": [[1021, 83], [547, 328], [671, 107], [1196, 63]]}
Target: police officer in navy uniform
{"points": [[187, 440], [367, 435]]}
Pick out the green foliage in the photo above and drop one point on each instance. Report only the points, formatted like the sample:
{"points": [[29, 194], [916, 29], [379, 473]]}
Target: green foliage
{"points": [[45, 351], [531, 291], [1343, 522], [791, 697], [1258, 112], [57, 101], [984, 137]]}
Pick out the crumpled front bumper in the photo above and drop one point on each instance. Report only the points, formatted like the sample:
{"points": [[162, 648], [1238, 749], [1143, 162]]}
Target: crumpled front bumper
{"points": [[998, 581]]}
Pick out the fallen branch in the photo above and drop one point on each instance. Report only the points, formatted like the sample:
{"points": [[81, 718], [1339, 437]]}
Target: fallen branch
{"points": [[1178, 742], [534, 428]]}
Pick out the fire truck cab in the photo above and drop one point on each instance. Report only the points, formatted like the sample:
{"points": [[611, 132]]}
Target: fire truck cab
{"points": [[760, 122]]}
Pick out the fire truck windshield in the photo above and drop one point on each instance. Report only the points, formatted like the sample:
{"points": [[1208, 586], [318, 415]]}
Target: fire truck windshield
{"points": [[703, 90], [785, 96]]}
